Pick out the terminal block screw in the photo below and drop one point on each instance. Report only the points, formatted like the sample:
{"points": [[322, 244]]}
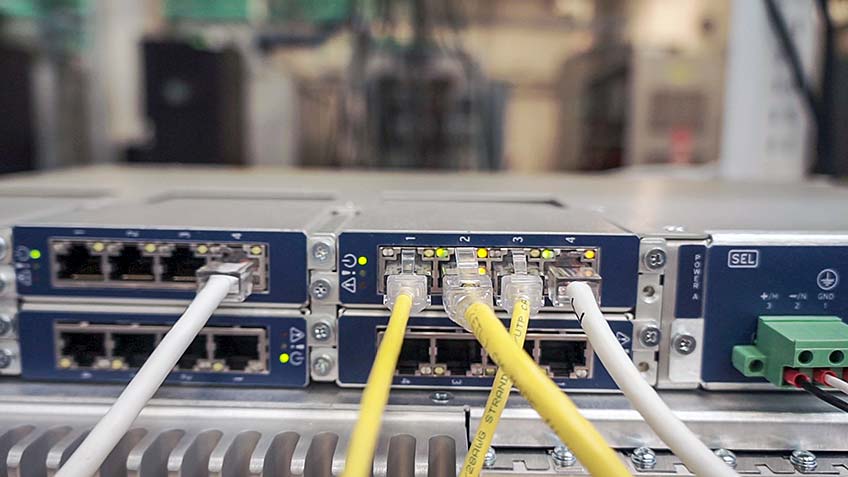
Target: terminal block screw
{"points": [[655, 258], [6, 358], [321, 251], [320, 289], [644, 458], [727, 456], [563, 456], [684, 344], [322, 365], [803, 461], [650, 336], [321, 331], [5, 324], [490, 458]]}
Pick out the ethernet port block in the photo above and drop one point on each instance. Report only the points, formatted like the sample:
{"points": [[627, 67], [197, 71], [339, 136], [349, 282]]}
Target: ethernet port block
{"points": [[805, 343]]}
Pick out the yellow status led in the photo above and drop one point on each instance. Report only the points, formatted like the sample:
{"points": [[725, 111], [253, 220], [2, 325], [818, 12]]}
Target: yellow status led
{"points": [[482, 253], [217, 367], [429, 252], [64, 363], [547, 254], [202, 249], [439, 371], [284, 358], [117, 364], [362, 260], [150, 248], [98, 247], [441, 252], [256, 250], [482, 270], [589, 254], [35, 254], [535, 253]]}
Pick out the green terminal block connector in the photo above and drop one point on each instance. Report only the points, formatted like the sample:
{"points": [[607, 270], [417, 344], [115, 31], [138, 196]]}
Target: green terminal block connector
{"points": [[804, 343]]}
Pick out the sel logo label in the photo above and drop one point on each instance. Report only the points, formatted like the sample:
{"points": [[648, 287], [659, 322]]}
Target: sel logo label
{"points": [[743, 258]]}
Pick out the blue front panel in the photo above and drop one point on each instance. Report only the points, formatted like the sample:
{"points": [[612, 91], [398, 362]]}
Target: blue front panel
{"points": [[285, 335], [619, 260], [746, 282], [358, 347], [287, 280]]}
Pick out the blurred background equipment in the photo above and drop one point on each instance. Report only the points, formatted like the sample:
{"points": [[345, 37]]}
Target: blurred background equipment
{"points": [[525, 85]]}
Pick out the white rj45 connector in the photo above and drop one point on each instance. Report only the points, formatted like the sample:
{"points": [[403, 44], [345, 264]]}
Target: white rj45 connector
{"points": [[466, 287], [521, 286], [407, 282]]}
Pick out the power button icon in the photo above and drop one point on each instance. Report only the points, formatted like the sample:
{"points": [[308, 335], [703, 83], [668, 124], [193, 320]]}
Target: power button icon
{"points": [[827, 279]]}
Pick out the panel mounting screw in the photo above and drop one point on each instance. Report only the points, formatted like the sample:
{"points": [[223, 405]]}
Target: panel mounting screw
{"points": [[441, 397], [490, 458], [727, 456], [320, 289], [655, 258], [321, 251], [649, 336], [322, 365], [4, 248], [684, 344], [6, 358], [644, 458], [321, 331], [803, 461], [563, 456]]}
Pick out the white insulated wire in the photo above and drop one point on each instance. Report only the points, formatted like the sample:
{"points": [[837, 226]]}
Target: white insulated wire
{"points": [[697, 457], [836, 383], [89, 456]]}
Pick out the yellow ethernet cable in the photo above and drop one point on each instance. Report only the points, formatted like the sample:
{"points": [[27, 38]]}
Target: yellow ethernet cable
{"points": [[363, 440], [497, 397], [547, 399]]}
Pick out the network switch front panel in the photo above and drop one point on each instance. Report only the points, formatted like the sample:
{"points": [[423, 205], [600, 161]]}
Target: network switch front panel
{"points": [[153, 249], [110, 345], [438, 353], [561, 245]]}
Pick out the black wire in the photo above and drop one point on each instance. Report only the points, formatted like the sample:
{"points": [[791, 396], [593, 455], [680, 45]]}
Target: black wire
{"points": [[787, 46], [825, 396]]}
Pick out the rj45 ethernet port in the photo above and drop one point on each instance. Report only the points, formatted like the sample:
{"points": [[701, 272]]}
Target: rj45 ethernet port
{"points": [[194, 353], [133, 348], [181, 265], [413, 354], [83, 349], [458, 355], [131, 266], [76, 262], [238, 352], [563, 359]]}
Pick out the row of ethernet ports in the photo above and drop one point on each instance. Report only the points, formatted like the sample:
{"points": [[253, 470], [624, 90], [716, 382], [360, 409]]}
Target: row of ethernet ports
{"points": [[147, 264], [119, 347], [429, 352]]}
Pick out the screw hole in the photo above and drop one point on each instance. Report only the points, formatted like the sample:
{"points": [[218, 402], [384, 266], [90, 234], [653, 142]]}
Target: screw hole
{"points": [[836, 357], [649, 294], [643, 367], [755, 366], [805, 357]]}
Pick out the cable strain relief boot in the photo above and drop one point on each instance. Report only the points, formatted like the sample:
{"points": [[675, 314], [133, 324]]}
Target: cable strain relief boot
{"points": [[409, 284], [243, 271], [466, 287]]}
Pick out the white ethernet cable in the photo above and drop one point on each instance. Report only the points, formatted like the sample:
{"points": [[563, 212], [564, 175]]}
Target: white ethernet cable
{"points": [[216, 283], [697, 457], [836, 383]]}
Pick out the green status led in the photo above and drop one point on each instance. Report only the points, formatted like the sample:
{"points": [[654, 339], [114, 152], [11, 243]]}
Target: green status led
{"points": [[35, 254]]}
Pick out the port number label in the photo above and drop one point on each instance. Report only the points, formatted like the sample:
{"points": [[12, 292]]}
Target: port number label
{"points": [[827, 279], [518, 240], [465, 238], [743, 258]]}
